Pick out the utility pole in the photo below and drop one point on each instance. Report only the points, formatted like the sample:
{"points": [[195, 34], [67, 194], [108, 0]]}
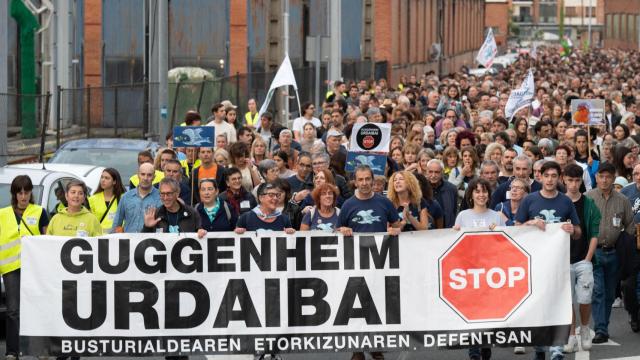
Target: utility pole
{"points": [[285, 51], [440, 35], [335, 60], [163, 68], [589, 25], [4, 51]]}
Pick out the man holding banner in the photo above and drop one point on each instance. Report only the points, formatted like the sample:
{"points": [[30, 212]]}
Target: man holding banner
{"points": [[367, 212], [549, 206]]}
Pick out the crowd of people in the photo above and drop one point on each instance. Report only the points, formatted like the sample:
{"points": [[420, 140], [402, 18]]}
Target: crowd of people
{"points": [[454, 161]]}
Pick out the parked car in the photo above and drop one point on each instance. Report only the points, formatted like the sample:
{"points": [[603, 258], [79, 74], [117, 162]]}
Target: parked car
{"points": [[121, 154], [90, 174], [48, 185]]}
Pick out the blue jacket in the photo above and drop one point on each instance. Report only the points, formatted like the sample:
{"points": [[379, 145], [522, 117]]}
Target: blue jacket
{"points": [[447, 196]]}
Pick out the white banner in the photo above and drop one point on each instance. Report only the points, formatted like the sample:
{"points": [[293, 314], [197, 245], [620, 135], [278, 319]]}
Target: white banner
{"points": [[521, 97], [169, 294], [488, 50]]}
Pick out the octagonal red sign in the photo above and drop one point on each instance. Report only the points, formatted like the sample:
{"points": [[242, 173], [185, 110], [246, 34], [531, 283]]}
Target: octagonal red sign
{"points": [[484, 276]]}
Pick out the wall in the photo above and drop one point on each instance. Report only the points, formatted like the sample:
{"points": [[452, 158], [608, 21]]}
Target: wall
{"points": [[404, 38], [497, 17], [621, 24]]}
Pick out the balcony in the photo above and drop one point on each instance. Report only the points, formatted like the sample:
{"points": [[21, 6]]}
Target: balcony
{"points": [[519, 19]]}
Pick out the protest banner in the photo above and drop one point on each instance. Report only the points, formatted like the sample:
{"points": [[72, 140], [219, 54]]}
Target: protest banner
{"points": [[173, 294], [587, 112], [370, 137], [488, 50], [376, 162], [194, 136], [520, 97]]}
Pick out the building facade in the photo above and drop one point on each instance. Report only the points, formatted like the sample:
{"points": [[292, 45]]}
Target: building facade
{"points": [[622, 24]]}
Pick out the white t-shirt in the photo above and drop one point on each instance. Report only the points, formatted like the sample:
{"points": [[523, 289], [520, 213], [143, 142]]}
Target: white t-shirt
{"points": [[470, 219], [224, 128], [299, 123]]}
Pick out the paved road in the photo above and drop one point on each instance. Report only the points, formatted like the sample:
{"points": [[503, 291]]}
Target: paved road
{"points": [[624, 345]]}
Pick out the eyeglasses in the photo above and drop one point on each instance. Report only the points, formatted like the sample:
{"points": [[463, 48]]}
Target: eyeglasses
{"points": [[273, 195], [316, 163], [167, 194], [520, 188]]}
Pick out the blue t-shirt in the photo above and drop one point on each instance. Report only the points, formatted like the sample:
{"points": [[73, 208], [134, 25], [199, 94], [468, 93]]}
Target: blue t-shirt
{"points": [[415, 212], [371, 215], [633, 194], [318, 222], [297, 184], [252, 222], [556, 210]]}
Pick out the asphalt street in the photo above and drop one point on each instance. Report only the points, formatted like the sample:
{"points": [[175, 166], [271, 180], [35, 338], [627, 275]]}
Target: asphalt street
{"points": [[623, 345]]}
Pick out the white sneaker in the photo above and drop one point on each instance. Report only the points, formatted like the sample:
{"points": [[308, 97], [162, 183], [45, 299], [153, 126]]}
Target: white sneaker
{"points": [[617, 303], [585, 337], [519, 350], [572, 345]]}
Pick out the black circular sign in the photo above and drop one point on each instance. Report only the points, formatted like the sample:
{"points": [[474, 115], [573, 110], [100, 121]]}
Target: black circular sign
{"points": [[369, 136]]}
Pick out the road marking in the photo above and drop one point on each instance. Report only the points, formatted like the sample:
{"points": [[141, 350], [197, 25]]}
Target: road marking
{"points": [[625, 358], [608, 343]]}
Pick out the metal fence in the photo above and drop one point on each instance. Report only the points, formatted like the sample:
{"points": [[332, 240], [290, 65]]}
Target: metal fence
{"points": [[125, 110]]}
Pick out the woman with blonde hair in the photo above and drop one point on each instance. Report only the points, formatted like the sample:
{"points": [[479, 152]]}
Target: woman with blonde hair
{"points": [[450, 158], [221, 157], [406, 196], [423, 158], [494, 152], [410, 156], [259, 150]]}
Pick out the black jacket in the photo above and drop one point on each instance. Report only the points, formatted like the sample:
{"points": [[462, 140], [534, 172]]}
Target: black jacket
{"points": [[188, 220], [225, 219], [221, 180]]}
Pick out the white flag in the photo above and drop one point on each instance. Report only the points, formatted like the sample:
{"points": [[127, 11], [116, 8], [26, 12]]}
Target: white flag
{"points": [[488, 51], [534, 52], [521, 97], [284, 77]]}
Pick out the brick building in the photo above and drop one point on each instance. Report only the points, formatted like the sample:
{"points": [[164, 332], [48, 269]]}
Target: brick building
{"points": [[390, 37], [496, 16], [622, 24]]}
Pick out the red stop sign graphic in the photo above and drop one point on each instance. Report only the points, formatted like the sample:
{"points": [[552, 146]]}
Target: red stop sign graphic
{"points": [[484, 276]]}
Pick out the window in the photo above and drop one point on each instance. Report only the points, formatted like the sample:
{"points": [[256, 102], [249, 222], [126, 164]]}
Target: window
{"points": [[548, 12], [56, 194], [571, 11], [616, 26], [608, 26]]}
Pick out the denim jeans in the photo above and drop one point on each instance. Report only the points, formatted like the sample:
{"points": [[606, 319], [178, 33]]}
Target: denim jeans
{"points": [[555, 352], [605, 276], [477, 351], [12, 291]]}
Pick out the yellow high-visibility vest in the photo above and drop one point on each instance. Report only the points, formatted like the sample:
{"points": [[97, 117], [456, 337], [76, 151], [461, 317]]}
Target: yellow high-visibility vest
{"points": [[99, 207], [11, 233], [251, 120], [135, 180]]}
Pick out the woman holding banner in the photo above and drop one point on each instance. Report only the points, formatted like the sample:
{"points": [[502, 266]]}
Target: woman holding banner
{"points": [[21, 218], [324, 215], [479, 215], [215, 213]]}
